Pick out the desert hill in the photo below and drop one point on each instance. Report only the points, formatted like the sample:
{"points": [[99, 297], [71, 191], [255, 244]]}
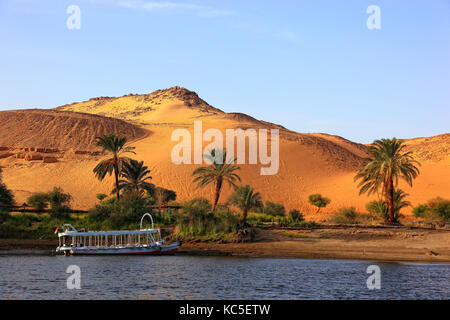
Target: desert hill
{"points": [[157, 106], [59, 130], [309, 163]]}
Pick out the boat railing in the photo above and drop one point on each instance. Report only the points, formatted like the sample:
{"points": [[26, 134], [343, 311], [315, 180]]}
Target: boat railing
{"points": [[67, 226], [151, 218]]}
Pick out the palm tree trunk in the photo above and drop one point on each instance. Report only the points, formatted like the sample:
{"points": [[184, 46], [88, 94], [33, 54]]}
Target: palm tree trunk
{"points": [[244, 216], [116, 173], [217, 193], [390, 202]]}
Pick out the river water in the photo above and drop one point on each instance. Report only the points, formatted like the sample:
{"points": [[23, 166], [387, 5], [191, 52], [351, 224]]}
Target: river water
{"points": [[186, 277]]}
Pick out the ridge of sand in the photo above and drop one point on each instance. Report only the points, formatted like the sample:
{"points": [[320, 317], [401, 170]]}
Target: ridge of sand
{"points": [[152, 107], [62, 130]]}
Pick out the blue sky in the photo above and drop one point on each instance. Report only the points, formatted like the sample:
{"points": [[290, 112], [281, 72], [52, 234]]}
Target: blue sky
{"points": [[312, 66]]}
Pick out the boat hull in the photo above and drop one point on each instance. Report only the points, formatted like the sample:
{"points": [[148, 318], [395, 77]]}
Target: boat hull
{"points": [[154, 250]]}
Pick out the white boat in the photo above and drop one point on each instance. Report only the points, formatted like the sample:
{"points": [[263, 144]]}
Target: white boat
{"points": [[123, 242]]}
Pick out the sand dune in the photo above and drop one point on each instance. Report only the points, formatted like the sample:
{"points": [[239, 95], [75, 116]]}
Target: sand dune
{"points": [[59, 130], [309, 163]]}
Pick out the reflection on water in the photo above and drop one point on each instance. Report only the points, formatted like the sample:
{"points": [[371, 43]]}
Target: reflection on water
{"points": [[182, 277]]}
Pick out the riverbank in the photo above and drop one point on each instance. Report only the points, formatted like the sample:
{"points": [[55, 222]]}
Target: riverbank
{"points": [[355, 243]]}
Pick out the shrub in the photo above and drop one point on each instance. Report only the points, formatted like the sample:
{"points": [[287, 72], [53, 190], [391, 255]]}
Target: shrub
{"points": [[318, 201], [199, 206], [258, 219], [197, 221], [442, 210], [59, 203], [296, 215], [274, 209], [378, 208], [38, 200], [58, 199], [421, 211], [163, 195], [119, 214], [347, 215], [6, 196], [101, 196], [435, 209]]}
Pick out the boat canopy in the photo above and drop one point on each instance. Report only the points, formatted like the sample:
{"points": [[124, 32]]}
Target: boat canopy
{"points": [[105, 233], [69, 230]]}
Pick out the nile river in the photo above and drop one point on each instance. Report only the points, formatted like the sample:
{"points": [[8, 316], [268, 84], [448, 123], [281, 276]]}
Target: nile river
{"points": [[185, 277]]}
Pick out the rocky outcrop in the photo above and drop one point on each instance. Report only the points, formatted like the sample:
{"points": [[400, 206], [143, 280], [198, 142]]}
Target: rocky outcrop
{"points": [[33, 156], [6, 155], [48, 159]]}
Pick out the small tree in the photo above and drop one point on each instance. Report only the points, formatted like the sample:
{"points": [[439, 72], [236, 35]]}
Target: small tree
{"points": [[6, 196], [136, 177], [101, 196], [59, 202], [116, 146], [386, 164], [274, 209], [163, 196], [318, 201], [437, 208], [296, 215], [245, 198], [220, 170], [39, 200]]}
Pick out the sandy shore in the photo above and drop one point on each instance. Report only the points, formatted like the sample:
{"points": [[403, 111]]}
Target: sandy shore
{"points": [[390, 244], [356, 243]]}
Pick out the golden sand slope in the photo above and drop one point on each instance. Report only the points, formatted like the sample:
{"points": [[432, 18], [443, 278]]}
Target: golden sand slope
{"points": [[309, 163], [59, 130]]}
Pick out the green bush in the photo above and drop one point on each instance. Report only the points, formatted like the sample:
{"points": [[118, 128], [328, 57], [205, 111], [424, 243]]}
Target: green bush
{"points": [[58, 201], [421, 211], [442, 210], [200, 206], [296, 215], [6, 196], [38, 200], [274, 209], [259, 219], [101, 196], [197, 221], [349, 215], [435, 209], [119, 214]]}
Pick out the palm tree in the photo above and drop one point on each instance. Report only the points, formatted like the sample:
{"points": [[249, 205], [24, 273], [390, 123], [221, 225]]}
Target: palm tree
{"points": [[385, 165], [245, 198], [380, 208], [219, 171], [114, 145], [399, 201], [136, 176]]}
